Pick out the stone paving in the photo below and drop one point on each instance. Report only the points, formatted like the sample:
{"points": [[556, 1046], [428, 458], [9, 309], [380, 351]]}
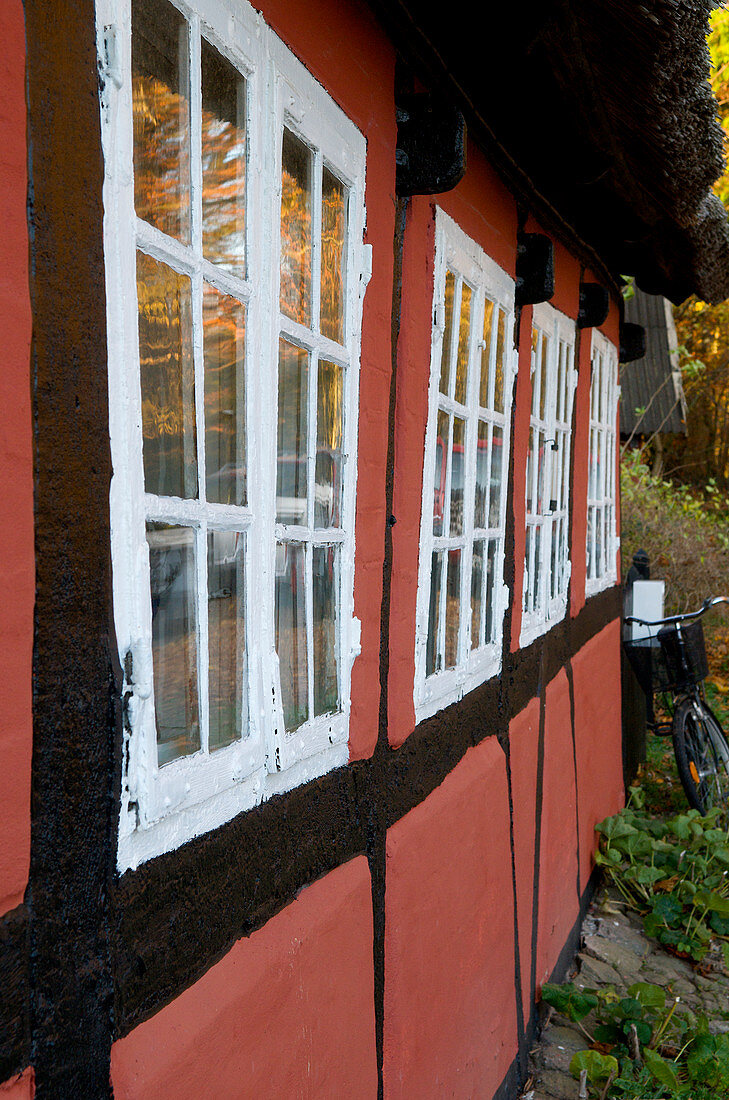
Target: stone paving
{"points": [[615, 951]]}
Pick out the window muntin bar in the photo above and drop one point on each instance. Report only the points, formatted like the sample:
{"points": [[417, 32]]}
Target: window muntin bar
{"points": [[546, 559], [601, 549], [461, 598], [204, 219]]}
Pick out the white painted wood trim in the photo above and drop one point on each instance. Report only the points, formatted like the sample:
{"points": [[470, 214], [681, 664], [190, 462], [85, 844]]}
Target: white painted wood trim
{"points": [[455, 250], [164, 806]]}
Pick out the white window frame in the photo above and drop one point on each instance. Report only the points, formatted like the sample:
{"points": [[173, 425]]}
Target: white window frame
{"points": [[602, 571], [457, 252], [164, 806], [542, 607]]}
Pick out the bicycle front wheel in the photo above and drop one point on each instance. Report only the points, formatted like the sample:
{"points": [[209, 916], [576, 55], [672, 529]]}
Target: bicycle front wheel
{"points": [[702, 755]]}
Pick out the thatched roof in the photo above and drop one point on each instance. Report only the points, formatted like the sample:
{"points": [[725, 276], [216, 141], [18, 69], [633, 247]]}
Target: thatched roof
{"points": [[599, 115], [651, 394]]}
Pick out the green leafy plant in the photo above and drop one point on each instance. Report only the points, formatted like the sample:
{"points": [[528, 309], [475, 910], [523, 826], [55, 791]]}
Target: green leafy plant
{"points": [[640, 1046], [675, 872]]}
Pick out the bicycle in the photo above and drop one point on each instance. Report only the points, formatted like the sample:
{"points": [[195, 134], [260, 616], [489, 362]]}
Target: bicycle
{"points": [[672, 663]]}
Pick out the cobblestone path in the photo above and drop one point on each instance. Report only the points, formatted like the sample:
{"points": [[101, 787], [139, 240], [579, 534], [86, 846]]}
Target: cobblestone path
{"points": [[615, 951]]}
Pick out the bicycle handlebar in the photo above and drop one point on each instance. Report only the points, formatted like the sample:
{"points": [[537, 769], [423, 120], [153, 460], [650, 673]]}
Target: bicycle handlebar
{"points": [[712, 601]]}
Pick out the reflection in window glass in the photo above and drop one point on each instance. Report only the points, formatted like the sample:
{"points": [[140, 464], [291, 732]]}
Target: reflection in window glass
{"points": [[445, 355], [457, 576], [497, 454], [482, 467], [291, 643], [227, 676], [296, 229], [161, 108], [490, 620], [328, 470], [167, 379], [223, 161], [464, 339], [453, 608], [476, 594], [488, 312], [225, 405], [174, 639], [326, 665], [433, 660], [333, 243], [291, 470], [457, 473]]}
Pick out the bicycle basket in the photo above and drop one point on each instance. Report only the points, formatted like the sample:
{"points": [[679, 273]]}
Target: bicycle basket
{"points": [[664, 662], [681, 660]]}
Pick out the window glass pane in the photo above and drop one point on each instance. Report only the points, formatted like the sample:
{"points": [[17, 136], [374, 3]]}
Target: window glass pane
{"points": [[453, 608], [295, 229], [433, 656], [559, 403], [476, 594], [557, 461], [328, 474], [439, 481], [225, 401], [488, 314], [174, 639], [554, 559], [326, 664], [445, 355], [464, 335], [528, 601], [536, 368], [497, 455], [293, 378], [537, 573], [490, 590], [544, 376], [593, 465], [291, 632], [223, 161], [457, 475], [499, 366], [167, 379], [599, 546], [161, 108], [482, 473], [333, 243], [227, 675], [591, 541]]}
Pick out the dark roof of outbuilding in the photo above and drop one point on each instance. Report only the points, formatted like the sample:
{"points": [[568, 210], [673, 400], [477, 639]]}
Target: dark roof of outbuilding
{"points": [[651, 396], [598, 114]]}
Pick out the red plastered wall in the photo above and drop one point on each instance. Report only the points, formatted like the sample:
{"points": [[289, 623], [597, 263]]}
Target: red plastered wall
{"points": [[344, 47], [486, 211], [450, 1006], [598, 724], [16, 471], [21, 1087], [287, 1013], [523, 742], [558, 883]]}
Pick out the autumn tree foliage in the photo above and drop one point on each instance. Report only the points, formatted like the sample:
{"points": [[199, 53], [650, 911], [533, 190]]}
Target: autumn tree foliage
{"points": [[703, 331]]}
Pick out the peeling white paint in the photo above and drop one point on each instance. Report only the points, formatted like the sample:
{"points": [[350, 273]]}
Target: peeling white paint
{"points": [[164, 806], [457, 252]]}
